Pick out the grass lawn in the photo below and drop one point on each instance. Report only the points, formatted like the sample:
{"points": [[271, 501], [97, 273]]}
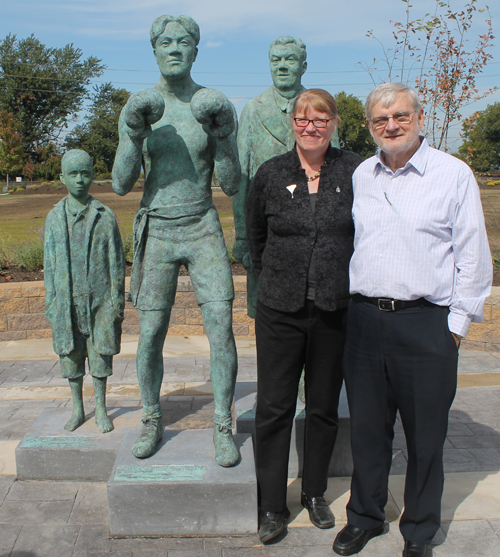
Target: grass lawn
{"points": [[22, 215]]}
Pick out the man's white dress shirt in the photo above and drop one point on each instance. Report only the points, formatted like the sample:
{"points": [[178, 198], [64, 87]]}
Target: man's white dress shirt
{"points": [[420, 233]]}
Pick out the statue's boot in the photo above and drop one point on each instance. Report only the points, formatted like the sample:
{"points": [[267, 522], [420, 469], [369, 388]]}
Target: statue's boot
{"points": [[151, 432], [226, 453]]}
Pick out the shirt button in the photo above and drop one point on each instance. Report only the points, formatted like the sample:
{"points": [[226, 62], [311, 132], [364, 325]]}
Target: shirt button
{"points": [[379, 255], [384, 229], [312, 234], [378, 282]]}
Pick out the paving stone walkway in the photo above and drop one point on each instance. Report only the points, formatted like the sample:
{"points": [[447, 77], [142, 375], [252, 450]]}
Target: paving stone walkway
{"points": [[59, 519]]}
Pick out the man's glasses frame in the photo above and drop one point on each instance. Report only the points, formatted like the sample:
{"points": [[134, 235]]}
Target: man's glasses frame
{"points": [[399, 118], [317, 122]]}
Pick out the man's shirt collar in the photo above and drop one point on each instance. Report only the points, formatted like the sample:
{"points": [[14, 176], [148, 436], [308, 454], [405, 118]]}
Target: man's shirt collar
{"points": [[418, 160]]}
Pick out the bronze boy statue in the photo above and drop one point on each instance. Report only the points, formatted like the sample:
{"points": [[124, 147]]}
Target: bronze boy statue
{"points": [[84, 286]]}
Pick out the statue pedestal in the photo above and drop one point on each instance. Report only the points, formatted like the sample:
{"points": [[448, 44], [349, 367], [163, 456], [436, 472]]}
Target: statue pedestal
{"points": [[49, 452], [341, 462], [181, 490]]}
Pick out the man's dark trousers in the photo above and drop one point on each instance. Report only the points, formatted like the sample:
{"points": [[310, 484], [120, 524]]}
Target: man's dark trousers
{"points": [[404, 360]]}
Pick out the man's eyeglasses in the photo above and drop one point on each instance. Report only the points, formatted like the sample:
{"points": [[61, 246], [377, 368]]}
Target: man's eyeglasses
{"points": [[399, 118], [317, 122]]}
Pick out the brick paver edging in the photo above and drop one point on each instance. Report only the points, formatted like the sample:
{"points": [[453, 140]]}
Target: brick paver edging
{"points": [[22, 307]]}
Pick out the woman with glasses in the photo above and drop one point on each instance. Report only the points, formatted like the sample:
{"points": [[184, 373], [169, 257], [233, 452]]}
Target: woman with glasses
{"points": [[300, 237]]}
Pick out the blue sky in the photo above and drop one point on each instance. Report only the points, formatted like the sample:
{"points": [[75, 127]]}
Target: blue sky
{"points": [[235, 37]]}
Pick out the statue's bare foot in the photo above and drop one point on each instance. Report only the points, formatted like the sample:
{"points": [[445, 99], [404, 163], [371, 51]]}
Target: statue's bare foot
{"points": [[76, 420], [226, 453], [103, 422], [151, 433]]}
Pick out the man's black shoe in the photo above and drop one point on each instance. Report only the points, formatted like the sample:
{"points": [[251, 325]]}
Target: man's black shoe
{"points": [[271, 524], [351, 540], [319, 512], [414, 549]]}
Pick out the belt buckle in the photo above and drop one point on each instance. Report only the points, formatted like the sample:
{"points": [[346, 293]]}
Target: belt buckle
{"points": [[386, 304]]}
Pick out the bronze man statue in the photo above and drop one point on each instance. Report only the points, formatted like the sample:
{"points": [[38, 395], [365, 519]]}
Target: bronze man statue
{"points": [[184, 134]]}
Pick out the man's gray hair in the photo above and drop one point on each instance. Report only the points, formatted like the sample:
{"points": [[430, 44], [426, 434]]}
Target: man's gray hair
{"points": [[75, 154], [386, 94], [186, 21], [290, 40]]}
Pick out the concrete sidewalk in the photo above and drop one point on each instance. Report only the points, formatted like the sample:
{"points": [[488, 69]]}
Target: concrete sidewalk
{"points": [[42, 519]]}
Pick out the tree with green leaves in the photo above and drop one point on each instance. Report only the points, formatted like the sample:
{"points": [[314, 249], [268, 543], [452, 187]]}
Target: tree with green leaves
{"points": [[435, 55], [99, 134], [481, 133], [354, 134], [43, 87], [11, 148]]}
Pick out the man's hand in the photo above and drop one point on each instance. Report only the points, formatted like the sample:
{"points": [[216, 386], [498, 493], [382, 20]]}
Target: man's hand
{"points": [[458, 339], [143, 109], [214, 112]]}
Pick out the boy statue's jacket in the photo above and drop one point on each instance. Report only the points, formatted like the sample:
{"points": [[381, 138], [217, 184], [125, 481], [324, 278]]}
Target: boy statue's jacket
{"points": [[105, 272]]}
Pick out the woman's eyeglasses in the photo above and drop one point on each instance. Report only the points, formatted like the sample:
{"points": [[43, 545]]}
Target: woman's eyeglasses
{"points": [[317, 122]]}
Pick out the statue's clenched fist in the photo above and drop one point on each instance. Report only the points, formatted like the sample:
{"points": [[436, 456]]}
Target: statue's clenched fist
{"points": [[214, 112], [143, 109]]}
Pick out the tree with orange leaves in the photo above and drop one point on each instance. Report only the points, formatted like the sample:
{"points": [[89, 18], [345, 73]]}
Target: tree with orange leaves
{"points": [[435, 55]]}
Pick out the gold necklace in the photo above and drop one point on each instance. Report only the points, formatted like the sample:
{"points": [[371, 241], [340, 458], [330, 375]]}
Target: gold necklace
{"points": [[312, 178], [317, 175]]}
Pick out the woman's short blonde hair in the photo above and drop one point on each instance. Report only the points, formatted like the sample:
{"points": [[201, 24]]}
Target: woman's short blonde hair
{"points": [[317, 99]]}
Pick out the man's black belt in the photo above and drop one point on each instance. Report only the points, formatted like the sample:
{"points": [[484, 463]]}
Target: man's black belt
{"points": [[389, 304]]}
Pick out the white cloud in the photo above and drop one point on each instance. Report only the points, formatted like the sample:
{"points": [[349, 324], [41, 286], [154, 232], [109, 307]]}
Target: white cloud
{"points": [[213, 44]]}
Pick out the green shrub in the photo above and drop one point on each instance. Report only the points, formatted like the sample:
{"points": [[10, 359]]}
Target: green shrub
{"points": [[138, 185], [27, 255], [34, 188], [45, 184], [19, 189], [128, 245], [4, 261]]}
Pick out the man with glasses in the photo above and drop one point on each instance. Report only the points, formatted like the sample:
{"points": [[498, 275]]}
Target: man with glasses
{"points": [[419, 276]]}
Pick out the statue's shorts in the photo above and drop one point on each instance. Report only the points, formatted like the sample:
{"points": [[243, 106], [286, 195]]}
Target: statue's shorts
{"points": [[195, 241], [73, 364]]}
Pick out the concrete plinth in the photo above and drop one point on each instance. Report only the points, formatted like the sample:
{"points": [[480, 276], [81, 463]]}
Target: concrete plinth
{"points": [[49, 452], [341, 462], [181, 490]]}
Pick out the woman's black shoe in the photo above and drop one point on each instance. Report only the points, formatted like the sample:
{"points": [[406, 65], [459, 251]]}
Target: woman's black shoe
{"points": [[319, 511], [272, 524]]}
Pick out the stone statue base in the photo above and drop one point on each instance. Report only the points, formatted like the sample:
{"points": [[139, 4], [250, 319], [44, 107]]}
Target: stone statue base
{"points": [[341, 462], [49, 452], [181, 490]]}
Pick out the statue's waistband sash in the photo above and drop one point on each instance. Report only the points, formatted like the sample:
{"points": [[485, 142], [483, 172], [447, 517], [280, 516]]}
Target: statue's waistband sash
{"points": [[140, 233]]}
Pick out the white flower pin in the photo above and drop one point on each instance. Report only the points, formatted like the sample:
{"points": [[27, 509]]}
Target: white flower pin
{"points": [[291, 188]]}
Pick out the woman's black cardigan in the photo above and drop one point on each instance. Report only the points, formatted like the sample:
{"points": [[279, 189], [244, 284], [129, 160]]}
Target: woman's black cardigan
{"points": [[282, 231]]}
